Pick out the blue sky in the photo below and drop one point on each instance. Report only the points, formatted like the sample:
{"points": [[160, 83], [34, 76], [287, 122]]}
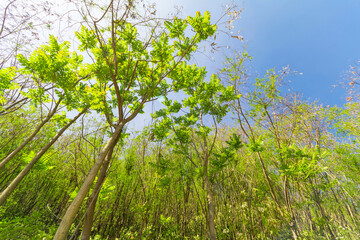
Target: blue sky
{"points": [[317, 38]]}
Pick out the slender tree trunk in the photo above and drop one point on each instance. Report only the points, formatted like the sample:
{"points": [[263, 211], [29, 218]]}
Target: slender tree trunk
{"points": [[5, 194], [209, 195], [211, 208], [19, 148], [89, 216], [10, 172], [322, 212], [293, 225], [73, 209], [268, 181]]}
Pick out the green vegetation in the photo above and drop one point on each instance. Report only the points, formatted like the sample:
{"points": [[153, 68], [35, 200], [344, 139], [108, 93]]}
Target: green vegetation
{"points": [[230, 158]]}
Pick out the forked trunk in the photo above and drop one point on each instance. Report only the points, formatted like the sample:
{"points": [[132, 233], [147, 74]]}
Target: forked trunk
{"points": [[89, 216], [211, 208], [73, 209]]}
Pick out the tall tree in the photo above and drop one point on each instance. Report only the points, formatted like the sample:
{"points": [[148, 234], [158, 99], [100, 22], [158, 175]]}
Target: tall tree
{"points": [[56, 73], [131, 71], [52, 65], [207, 102]]}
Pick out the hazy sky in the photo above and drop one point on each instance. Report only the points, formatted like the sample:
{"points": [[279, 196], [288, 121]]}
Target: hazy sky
{"points": [[317, 38]]}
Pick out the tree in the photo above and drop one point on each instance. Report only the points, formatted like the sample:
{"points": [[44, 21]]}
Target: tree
{"points": [[206, 101], [56, 73], [20, 24], [131, 71], [52, 65]]}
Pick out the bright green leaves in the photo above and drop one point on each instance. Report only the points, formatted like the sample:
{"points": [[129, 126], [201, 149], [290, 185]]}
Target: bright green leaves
{"points": [[54, 65], [266, 93], [256, 145], [202, 25], [162, 50], [129, 33], [300, 164], [87, 38], [60, 119], [226, 155], [185, 76], [162, 128], [268, 86], [37, 96], [345, 120], [174, 107], [234, 142], [133, 70], [162, 165], [204, 99], [210, 98], [6, 77], [6, 82], [176, 28]]}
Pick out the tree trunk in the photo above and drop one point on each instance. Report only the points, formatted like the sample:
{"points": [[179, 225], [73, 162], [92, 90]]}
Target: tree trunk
{"points": [[73, 209], [19, 148], [5, 194], [211, 208], [89, 216], [209, 195]]}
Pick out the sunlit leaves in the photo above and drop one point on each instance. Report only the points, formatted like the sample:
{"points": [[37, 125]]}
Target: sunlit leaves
{"points": [[176, 28], [162, 50], [202, 25], [185, 76], [87, 38], [135, 70], [6, 77], [6, 82], [256, 145], [54, 65], [300, 164]]}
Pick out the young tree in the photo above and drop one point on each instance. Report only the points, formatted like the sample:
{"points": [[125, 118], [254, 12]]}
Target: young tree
{"points": [[207, 101], [131, 71], [56, 73], [286, 135], [52, 65]]}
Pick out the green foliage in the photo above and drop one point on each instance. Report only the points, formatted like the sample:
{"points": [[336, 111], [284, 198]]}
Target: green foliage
{"points": [[6, 83], [54, 65], [87, 38], [30, 227], [132, 73], [227, 155], [300, 164], [282, 167]]}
